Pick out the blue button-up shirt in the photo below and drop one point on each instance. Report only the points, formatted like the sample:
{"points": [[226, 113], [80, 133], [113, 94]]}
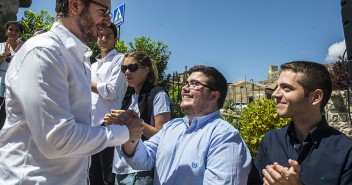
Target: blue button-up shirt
{"points": [[208, 151]]}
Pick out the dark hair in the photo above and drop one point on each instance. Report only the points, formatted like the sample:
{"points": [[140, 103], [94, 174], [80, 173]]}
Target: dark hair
{"points": [[114, 29], [143, 59], [62, 8], [7, 25], [216, 81], [314, 76]]}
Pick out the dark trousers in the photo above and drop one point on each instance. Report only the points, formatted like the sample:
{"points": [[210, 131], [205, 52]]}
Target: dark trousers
{"points": [[101, 167], [2, 112]]}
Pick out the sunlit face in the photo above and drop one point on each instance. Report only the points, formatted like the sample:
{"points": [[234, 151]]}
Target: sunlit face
{"points": [[107, 40], [93, 20], [13, 32], [195, 101], [137, 78], [289, 96]]}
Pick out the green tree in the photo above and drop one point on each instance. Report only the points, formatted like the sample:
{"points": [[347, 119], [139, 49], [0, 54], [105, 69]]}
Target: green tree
{"points": [[157, 50], [256, 120], [32, 21]]}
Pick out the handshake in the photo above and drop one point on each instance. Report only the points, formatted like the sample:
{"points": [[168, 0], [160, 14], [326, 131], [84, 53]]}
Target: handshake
{"points": [[129, 118]]}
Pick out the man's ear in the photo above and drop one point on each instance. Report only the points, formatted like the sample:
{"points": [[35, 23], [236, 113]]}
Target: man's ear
{"points": [[317, 96], [214, 96], [73, 6]]}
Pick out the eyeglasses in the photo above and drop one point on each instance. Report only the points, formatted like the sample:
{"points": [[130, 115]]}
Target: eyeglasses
{"points": [[131, 67], [195, 84], [106, 12]]}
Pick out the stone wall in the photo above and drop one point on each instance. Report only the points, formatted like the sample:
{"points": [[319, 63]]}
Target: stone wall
{"points": [[336, 112]]}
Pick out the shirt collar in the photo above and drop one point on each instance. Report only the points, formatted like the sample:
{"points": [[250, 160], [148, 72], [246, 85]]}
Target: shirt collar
{"points": [[112, 52], [199, 122], [316, 134], [70, 41]]}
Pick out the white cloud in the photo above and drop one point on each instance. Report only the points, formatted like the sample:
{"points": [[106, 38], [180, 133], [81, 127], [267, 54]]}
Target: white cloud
{"points": [[335, 51]]}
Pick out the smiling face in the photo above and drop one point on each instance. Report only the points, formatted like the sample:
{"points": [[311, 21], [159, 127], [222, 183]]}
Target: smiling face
{"points": [[196, 100], [93, 20], [137, 78], [289, 96], [13, 32]]}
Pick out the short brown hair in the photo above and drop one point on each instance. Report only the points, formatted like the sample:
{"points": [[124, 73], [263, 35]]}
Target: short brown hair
{"points": [[61, 8], [314, 76]]}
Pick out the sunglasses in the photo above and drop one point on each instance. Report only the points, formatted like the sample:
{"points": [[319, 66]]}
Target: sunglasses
{"points": [[106, 12], [131, 67]]}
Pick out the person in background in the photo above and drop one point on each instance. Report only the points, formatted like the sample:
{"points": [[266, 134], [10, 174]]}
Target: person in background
{"points": [[7, 51], [144, 101], [108, 89], [200, 148], [308, 150], [47, 137]]}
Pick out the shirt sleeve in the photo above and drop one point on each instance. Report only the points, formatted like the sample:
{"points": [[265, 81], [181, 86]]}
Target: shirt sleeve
{"points": [[45, 99], [228, 160], [116, 85], [145, 154], [161, 103]]}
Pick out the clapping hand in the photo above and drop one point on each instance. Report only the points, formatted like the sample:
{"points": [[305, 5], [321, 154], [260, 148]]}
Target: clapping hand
{"points": [[277, 174]]}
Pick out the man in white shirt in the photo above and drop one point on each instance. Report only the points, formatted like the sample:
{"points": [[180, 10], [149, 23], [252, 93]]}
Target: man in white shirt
{"points": [[47, 137], [108, 89]]}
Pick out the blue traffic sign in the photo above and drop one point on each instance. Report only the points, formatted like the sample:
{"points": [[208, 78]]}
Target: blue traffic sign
{"points": [[119, 15]]}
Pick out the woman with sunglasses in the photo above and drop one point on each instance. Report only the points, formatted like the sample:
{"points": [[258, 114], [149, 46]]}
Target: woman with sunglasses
{"points": [[7, 51], [145, 100]]}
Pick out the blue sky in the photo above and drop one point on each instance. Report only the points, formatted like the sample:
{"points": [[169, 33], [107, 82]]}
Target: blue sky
{"points": [[238, 37]]}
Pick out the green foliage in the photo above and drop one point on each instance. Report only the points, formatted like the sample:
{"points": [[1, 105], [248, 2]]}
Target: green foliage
{"points": [[339, 74], [233, 120], [256, 120], [157, 50], [32, 21], [228, 103], [174, 89]]}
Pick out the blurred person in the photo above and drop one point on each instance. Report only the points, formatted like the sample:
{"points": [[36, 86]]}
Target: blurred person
{"points": [[200, 148], [308, 150], [108, 89], [7, 51], [39, 31], [47, 137], [143, 100]]}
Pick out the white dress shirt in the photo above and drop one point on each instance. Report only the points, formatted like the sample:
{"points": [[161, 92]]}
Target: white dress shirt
{"points": [[47, 137], [111, 85]]}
